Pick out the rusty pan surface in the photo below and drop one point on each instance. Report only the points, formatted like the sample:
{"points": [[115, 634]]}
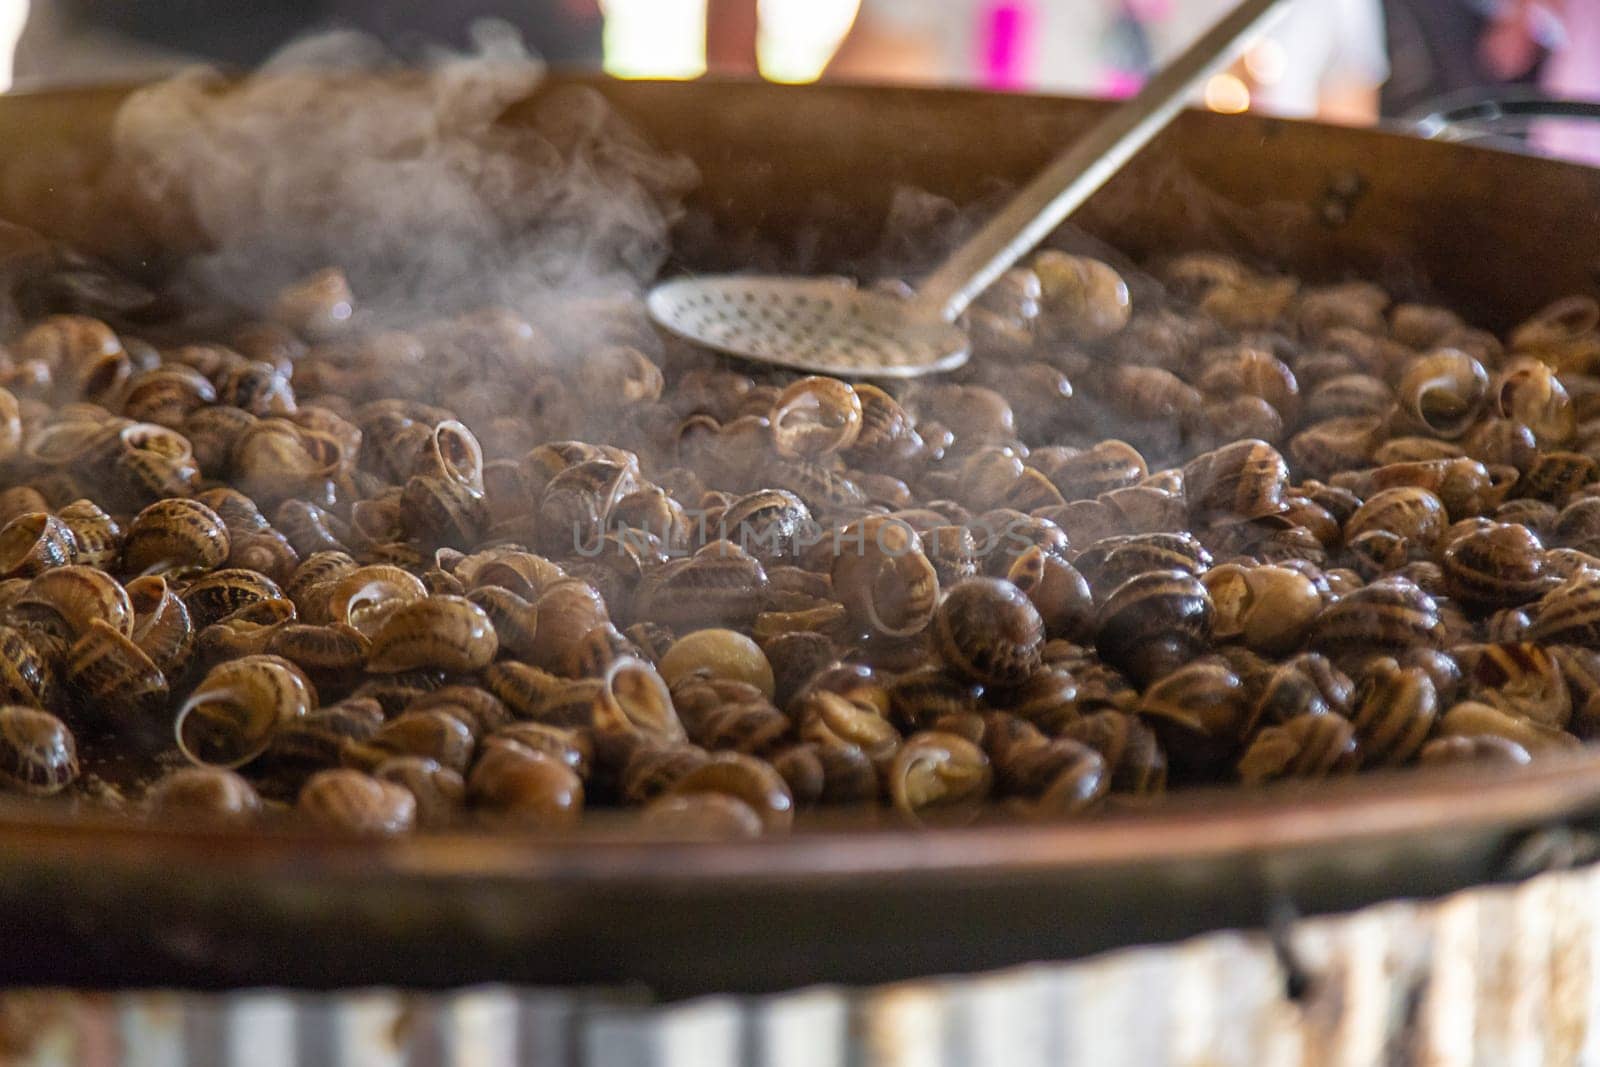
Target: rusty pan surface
{"points": [[804, 176]]}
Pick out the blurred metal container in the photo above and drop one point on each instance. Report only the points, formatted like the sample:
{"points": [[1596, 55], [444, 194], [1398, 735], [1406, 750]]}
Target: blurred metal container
{"points": [[1486, 978]]}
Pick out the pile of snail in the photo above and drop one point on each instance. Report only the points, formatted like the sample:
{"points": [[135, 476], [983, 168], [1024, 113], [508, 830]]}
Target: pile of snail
{"points": [[1218, 527]]}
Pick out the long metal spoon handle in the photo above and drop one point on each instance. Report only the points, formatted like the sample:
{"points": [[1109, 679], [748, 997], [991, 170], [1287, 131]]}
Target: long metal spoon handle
{"points": [[1078, 172]]}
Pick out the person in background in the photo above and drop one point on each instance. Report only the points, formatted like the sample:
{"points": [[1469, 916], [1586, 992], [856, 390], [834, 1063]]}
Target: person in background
{"points": [[1443, 48], [1324, 58]]}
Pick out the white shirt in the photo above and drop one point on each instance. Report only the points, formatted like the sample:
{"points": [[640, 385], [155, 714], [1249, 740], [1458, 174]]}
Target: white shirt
{"points": [[1323, 44]]}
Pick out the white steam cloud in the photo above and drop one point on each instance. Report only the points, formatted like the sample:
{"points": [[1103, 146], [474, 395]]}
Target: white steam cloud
{"points": [[339, 153]]}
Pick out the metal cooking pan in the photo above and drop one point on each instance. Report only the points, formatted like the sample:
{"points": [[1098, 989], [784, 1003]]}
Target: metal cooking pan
{"points": [[806, 175]]}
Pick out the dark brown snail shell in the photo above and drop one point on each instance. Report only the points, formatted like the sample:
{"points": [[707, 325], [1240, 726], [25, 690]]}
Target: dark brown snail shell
{"points": [[987, 631], [1154, 622]]}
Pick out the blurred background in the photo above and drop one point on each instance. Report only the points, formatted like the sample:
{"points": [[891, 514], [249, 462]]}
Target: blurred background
{"points": [[1350, 61]]}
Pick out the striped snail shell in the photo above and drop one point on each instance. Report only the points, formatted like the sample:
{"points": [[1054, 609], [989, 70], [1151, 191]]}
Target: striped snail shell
{"points": [[987, 631], [1335, 444], [1555, 476], [1154, 622], [26, 675], [1110, 561], [1246, 479], [1415, 515], [1390, 615], [38, 755], [1201, 712], [96, 536], [1309, 745], [1048, 699], [353, 802], [1394, 709], [1084, 475], [1497, 566], [114, 679], [1464, 486], [1519, 678], [1307, 684], [448, 632], [1137, 762]]}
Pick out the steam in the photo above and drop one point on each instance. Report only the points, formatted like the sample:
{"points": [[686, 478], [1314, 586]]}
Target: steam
{"points": [[338, 152]]}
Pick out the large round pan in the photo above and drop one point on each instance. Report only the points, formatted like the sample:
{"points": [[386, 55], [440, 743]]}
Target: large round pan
{"points": [[807, 174]]}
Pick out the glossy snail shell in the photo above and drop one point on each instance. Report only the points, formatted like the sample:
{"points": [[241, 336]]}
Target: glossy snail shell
{"points": [[1269, 608], [77, 596], [447, 632], [937, 776], [431, 733], [633, 699], [1080, 298], [1154, 622], [883, 577], [1309, 745], [204, 794], [815, 416], [38, 755], [986, 630], [1519, 678], [115, 679], [1500, 565], [1394, 709], [229, 718], [1246, 479], [352, 802], [701, 816], [1444, 391], [439, 792], [1472, 718], [1136, 760], [34, 542], [1465, 749], [824, 773], [746, 779], [96, 536]]}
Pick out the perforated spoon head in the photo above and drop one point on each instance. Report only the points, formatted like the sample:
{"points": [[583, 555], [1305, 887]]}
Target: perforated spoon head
{"points": [[810, 324]]}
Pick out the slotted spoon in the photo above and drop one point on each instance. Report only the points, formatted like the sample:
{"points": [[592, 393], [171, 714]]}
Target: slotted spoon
{"points": [[823, 326]]}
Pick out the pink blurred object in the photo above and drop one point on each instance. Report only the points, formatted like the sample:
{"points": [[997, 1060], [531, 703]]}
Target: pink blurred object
{"points": [[1005, 39], [1573, 73], [1150, 10], [1120, 84]]}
